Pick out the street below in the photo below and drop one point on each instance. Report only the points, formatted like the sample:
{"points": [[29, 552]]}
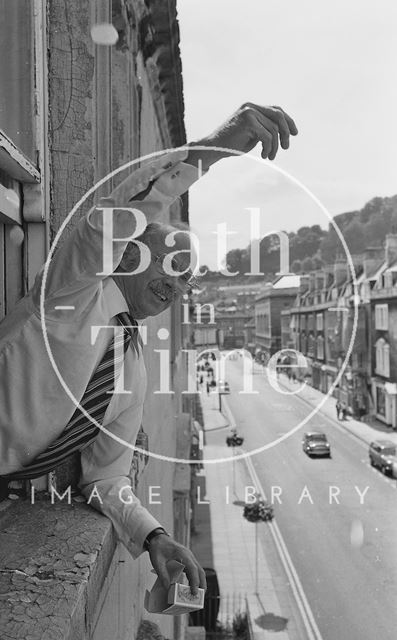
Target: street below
{"points": [[337, 515]]}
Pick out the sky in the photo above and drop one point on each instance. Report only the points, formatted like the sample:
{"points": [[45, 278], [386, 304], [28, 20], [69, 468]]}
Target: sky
{"points": [[331, 66]]}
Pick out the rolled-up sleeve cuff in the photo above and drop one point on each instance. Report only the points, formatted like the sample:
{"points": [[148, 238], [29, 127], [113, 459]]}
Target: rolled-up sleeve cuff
{"points": [[174, 182], [116, 500], [146, 525]]}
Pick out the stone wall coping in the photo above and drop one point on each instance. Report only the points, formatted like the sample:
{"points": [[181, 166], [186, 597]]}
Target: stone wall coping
{"points": [[53, 562]]}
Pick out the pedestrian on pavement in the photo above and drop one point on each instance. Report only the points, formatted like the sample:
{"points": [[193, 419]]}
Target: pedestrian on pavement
{"points": [[338, 407], [39, 424]]}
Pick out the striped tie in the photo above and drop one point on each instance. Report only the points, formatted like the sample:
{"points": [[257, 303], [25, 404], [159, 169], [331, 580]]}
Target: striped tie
{"points": [[80, 430]]}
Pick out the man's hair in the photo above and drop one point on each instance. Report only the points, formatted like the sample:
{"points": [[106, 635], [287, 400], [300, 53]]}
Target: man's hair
{"points": [[153, 231]]}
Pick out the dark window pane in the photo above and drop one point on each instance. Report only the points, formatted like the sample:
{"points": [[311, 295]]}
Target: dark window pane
{"points": [[16, 74]]}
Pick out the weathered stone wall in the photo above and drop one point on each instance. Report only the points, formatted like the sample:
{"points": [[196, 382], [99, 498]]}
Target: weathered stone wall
{"points": [[106, 107], [71, 68]]}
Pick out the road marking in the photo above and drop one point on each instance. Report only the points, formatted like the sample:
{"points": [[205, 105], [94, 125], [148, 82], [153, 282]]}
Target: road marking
{"points": [[201, 440], [65, 307], [229, 416], [309, 622]]}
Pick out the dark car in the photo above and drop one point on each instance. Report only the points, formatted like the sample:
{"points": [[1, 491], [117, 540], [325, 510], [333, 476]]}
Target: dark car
{"points": [[382, 454], [315, 443]]}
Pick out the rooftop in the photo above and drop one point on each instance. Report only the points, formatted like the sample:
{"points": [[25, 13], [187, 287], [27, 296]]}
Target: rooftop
{"points": [[287, 282]]}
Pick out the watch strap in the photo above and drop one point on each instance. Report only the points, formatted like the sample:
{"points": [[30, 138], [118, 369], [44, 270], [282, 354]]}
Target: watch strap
{"points": [[153, 534]]}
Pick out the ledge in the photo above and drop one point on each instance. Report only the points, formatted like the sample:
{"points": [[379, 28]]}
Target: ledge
{"points": [[53, 562]]}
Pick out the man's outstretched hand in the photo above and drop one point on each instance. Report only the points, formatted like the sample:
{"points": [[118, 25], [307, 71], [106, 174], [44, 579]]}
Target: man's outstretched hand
{"points": [[250, 124], [163, 548]]}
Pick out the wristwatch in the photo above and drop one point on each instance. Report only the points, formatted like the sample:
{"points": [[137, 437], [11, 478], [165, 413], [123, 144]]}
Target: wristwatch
{"points": [[153, 534]]}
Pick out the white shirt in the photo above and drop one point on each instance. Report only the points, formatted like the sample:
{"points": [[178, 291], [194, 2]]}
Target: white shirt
{"points": [[34, 406]]}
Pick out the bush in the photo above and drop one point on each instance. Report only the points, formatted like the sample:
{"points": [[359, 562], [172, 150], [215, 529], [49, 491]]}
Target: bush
{"points": [[240, 626]]}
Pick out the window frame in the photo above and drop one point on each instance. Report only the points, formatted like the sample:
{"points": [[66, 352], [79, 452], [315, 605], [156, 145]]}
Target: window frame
{"points": [[382, 358], [382, 317]]}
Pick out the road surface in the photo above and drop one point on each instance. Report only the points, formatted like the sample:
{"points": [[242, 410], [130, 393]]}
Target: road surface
{"points": [[337, 516]]}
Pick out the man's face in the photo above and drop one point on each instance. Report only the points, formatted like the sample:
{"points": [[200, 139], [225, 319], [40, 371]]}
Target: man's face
{"points": [[152, 291]]}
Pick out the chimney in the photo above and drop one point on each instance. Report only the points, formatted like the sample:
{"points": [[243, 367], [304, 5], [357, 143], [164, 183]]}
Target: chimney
{"points": [[328, 270], [357, 260], [340, 271], [373, 258], [391, 249], [319, 280]]}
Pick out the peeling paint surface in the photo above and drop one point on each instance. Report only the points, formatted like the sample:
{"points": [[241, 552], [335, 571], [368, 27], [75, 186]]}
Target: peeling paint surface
{"points": [[49, 570]]}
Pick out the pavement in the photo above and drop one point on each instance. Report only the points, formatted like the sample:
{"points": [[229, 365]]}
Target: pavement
{"points": [[243, 571], [238, 558], [362, 430]]}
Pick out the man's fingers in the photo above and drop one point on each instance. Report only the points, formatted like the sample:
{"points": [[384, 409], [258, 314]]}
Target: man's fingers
{"points": [[274, 133], [291, 124], [163, 549], [161, 570], [280, 119], [195, 573], [266, 133], [191, 570], [277, 116], [202, 577]]}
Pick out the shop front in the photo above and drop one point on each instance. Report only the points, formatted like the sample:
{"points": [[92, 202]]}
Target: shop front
{"points": [[384, 394], [328, 376], [316, 373]]}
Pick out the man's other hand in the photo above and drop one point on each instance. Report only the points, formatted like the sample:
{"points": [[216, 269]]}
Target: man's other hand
{"points": [[163, 548], [250, 124]]}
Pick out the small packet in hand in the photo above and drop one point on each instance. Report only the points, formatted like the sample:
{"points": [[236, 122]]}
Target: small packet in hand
{"points": [[175, 600]]}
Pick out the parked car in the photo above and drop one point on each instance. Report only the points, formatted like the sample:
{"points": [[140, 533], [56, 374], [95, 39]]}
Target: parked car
{"points": [[382, 454], [315, 443]]}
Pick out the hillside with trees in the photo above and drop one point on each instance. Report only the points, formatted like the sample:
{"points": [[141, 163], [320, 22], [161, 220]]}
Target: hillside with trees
{"points": [[311, 247]]}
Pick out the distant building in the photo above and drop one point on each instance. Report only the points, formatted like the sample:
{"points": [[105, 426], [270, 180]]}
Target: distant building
{"points": [[231, 326], [203, 327], [354, 304], [384, 336], [249, 335], [344, 326], [269, 304], [315, 323]]}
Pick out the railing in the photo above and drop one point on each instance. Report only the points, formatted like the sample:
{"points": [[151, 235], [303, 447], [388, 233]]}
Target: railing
{"points": [[223, 617]]}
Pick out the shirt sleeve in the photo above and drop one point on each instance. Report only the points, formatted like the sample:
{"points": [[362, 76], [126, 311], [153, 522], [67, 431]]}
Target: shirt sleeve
{"points": [[79, 262], [106, 484]]}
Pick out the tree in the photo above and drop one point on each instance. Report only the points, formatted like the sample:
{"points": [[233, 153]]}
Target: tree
{"points": [[355, 237], [307, 265], [296, 266], [234, 260]]}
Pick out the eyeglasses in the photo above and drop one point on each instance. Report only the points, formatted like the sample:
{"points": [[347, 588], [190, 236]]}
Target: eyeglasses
{"points": [[185, 276]]}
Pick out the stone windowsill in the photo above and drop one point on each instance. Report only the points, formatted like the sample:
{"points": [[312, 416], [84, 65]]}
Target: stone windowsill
{"points": [[53, 562]]}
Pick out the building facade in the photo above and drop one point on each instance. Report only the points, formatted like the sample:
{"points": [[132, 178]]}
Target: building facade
{"points": [[383, 309], [269, 305], [344, 325], [72, 111]]}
